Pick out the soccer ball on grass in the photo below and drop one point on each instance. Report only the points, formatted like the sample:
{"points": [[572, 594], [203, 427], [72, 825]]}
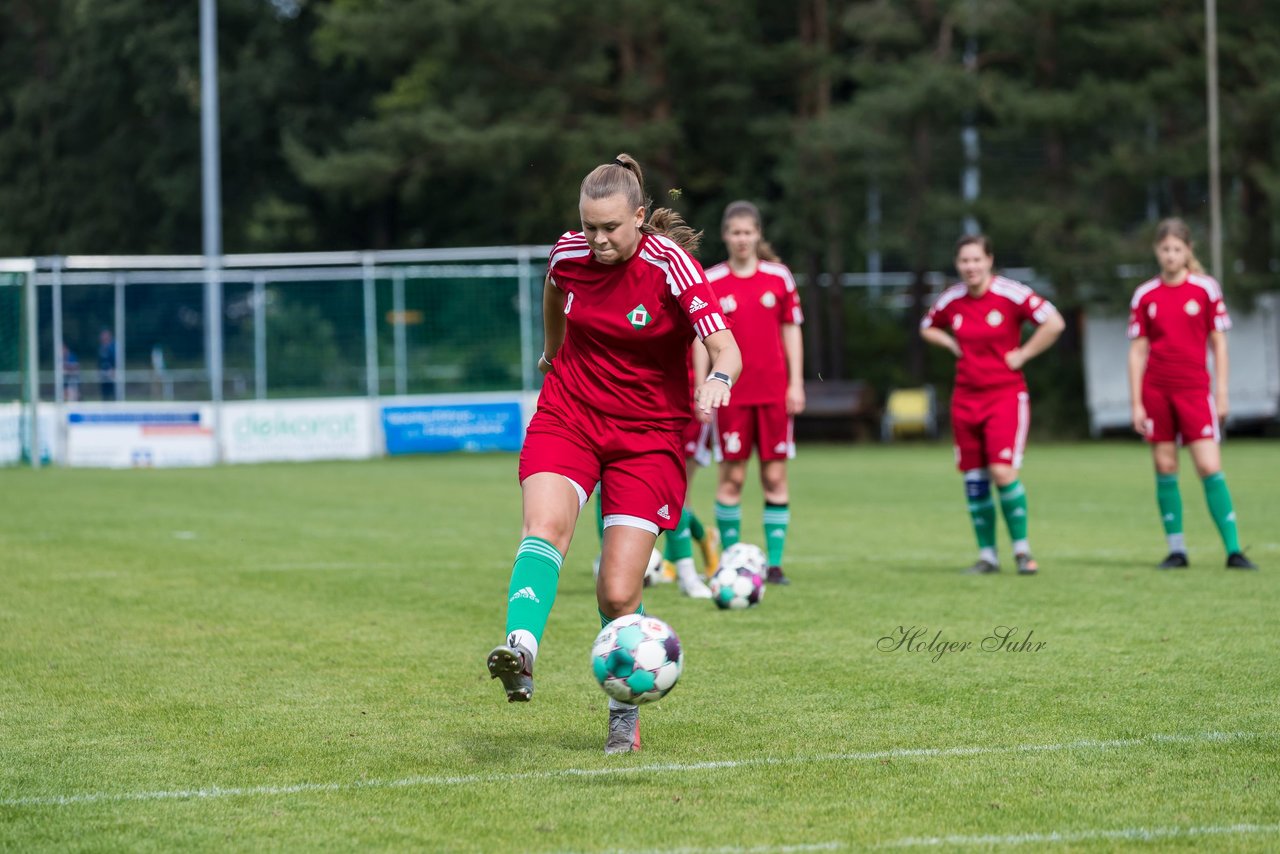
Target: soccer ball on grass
{"points": [[637, 659], [739, 582]]}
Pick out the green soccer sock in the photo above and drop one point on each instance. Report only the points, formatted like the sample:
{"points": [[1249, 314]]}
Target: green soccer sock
{"points": [[534, 578], [679, 541], [1224, 516], [729, 521], [982, 510], [776, 519], [695, 526], [1013, 506], [1169, 499]]}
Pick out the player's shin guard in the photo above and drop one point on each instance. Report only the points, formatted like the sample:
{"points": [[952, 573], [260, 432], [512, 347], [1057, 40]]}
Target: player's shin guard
{"points": [[1169, 499], [534, 579], [776, 519], [982, 510], [1224, 515], [729, 521], [1013, 506]]}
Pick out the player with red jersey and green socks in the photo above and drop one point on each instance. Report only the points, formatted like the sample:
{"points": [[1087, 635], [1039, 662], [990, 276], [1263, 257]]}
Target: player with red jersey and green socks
{"points": [[1172, 318], [979, 321], [758, 295], [622, 303]]}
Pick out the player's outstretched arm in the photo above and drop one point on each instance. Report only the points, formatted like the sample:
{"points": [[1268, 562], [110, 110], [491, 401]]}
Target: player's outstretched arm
{"points": [[553, 323], [1138, 350], [1221, 371], [726, 365]]}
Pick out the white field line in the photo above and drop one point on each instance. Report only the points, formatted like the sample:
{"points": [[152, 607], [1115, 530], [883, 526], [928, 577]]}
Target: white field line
{"points": [[1128, 834], [210, 792]]}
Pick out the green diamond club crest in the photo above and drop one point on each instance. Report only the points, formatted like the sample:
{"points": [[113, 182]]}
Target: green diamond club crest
{"points": [[639, 317]]}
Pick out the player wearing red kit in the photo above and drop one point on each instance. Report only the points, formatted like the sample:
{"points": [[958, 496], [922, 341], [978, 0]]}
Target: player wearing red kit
{"points": [[622, 304], [758, 295], [1171, 320], [980, 321]]}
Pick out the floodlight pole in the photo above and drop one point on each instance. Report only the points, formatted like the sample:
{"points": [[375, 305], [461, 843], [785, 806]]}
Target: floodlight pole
{"points": [[1215, 165], [211, 187]]}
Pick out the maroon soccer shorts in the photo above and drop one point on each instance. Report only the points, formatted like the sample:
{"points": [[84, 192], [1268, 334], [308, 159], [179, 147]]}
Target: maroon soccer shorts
{"points": [[1179, 416], [766, 426], [641, 470], [990, 428]]}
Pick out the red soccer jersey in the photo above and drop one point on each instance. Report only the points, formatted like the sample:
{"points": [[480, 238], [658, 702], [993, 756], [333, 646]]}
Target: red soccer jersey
{"points": [[986, 328], [1177, 320], [758, 306], [629, 329]]}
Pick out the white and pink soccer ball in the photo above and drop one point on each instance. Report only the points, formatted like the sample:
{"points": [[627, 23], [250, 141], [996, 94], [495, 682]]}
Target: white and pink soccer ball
{"points": [[739, 582]]}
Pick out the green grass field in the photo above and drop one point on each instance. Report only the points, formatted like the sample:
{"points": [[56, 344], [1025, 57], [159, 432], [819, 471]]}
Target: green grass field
{"points": [[292, 658]]}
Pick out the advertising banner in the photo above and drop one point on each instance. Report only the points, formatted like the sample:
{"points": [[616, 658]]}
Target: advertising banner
{"points": [[140, 437], [466, 426], [296, 430]]}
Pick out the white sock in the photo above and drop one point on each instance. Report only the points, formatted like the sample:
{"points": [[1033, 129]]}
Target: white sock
{"points": [[1177, 542], [989, 555], [521, 637], [687, 571], [1021, 547]]}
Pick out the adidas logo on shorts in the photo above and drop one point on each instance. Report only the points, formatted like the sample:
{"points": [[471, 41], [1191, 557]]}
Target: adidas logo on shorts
{"points": [[664, 512]]}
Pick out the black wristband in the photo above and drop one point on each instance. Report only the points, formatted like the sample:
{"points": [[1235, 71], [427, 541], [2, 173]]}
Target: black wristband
{"points": [[720, 376]]}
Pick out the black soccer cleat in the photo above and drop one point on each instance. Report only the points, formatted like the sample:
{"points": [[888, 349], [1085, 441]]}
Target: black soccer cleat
{"points": [[982, 567], [1237, 560], [1026, 564], [1176, 560], [513, 666], [774, 576]]}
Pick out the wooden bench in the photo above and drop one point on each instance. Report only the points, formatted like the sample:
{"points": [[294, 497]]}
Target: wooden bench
{"points": [[838, 410]]}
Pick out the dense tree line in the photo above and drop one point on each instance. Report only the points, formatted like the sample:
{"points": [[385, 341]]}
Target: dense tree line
{"points": [[397, 123]]}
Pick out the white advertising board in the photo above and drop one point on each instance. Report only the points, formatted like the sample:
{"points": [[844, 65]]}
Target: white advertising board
{"points": [[11, 428], [140, 436], [296, 430]]}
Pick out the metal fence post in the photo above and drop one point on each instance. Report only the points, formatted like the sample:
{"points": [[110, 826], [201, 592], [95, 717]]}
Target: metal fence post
{"points": [[525, 280], [120, 333], [370, 326], [33, 364], [59, 376], [259, 336], [401, 346]]}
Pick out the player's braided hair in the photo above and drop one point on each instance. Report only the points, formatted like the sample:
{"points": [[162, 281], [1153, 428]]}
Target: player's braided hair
{"points": [[624, 177], [1175, 227], [733, 210]]}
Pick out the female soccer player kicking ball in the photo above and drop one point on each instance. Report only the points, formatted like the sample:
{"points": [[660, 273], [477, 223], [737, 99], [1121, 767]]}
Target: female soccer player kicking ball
{"points": [[1171, 318], [979, 320], [622, 304]]}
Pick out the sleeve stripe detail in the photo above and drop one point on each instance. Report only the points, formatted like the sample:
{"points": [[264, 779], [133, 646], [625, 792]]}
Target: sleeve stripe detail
{"points": [[681, 269], [775, 268], [1208, 284], [949, 296], [718, 272], [708, 324], [1143, 289], [1015, 292]]}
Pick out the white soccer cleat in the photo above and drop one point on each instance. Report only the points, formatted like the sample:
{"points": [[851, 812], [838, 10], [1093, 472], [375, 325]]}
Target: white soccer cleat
{"points": [[695, 588]]}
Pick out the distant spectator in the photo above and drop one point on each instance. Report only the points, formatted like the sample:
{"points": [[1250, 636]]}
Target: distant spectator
{"points": [[159, 375], [70, 375], [107, 365]]}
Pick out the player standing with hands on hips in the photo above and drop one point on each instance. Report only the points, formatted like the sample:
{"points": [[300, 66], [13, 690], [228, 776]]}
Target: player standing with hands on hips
{"points": [[622, 303], [1171, 319], [979, 320], [758, 295]]}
